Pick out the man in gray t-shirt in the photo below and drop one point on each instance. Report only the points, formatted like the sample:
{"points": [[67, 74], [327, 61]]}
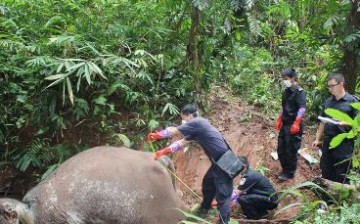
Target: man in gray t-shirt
{"points": [[216, 183]]}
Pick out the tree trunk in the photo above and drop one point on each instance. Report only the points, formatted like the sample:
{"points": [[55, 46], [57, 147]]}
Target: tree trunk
{"points": [[350, 61], [192, 50]]}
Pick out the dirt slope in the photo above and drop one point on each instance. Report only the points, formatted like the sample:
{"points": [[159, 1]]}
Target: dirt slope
{"points": [[250, 134]]}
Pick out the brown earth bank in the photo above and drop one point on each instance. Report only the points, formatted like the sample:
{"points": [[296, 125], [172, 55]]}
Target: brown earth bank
{"points": [[250, 134]]}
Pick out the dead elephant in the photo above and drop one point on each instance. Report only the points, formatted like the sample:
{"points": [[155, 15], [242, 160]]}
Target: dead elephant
{"points": [[106, 185]]}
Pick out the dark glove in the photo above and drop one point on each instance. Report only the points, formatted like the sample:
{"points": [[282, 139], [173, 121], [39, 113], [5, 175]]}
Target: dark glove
{"points": [[295, 128], [162, 152], [279, 123]]}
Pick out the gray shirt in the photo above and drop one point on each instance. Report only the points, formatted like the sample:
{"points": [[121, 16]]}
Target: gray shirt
{"points": [[210, 139]]}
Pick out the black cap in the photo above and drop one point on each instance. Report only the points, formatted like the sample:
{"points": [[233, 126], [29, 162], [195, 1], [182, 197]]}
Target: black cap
{"points": [[289, 72]]}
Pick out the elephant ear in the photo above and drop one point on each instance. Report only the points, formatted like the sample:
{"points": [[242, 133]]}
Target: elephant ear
{"points": [[10, 215]]}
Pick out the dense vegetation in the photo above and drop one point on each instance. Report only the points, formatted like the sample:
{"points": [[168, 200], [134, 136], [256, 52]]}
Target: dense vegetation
{"points": [[75, 74]]}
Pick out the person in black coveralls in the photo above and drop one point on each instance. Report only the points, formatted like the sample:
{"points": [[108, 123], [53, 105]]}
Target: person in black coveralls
{"points": [[290, 124], [335, 163], [256, 194]]}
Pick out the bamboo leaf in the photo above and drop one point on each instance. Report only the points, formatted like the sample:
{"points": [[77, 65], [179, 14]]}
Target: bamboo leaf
{"points": [[173, 110], [49, 171], [87, 74], [76, 66], [57, 76], [339, 115], [54, 83], [61, 65], [93, 49], [68, 64], [78, 84], [125, 140], [69, 90], [98, 70], [287, 207], [63, 93], [189, 215]]}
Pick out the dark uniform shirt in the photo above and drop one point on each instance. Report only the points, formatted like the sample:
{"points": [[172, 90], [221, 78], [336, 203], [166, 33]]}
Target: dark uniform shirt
{"points": [[210, 139], [255, 183], [293, 99], [343, 105]]}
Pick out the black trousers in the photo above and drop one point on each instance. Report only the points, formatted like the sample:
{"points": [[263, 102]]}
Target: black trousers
{"points": [[287, 148], [256, 206], [217, 184], [335, 163]]}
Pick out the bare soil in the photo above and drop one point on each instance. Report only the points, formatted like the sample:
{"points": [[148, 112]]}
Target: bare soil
{"points": [[250, 134]]}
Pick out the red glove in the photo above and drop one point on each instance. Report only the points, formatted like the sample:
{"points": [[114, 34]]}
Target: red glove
{"points": [[162, 152], [279, 123], [295, 128], [214, 203], [153, 136]]}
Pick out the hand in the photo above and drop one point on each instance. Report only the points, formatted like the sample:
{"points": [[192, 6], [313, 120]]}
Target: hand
{"points": [[234, 197], [343, 123], [316, 143], [214, 203], [295, 128], [279, 122], [162, 152], [153, 136]]}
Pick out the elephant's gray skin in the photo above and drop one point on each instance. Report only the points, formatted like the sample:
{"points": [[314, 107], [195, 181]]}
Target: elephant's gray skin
{"points": [[102, 185]]}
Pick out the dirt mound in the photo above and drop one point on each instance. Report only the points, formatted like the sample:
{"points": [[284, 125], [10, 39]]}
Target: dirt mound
{"points": [[250, 134]]}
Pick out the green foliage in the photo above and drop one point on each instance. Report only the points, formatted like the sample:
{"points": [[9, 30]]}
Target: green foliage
{"points": [[251, 80], [76, 68], [198, 219], [40, 155], [194, 217], [354, 132], [173, 110], [338, 210], [262, 169], [343, 214], [338, 115], [123, 139]]}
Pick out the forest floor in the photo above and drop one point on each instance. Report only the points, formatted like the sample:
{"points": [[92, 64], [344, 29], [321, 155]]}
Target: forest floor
{"points": [[250, 134]]}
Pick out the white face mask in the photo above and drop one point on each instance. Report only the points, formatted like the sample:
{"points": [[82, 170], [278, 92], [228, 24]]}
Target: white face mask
{"points": [[287, 83], [183, 122]]}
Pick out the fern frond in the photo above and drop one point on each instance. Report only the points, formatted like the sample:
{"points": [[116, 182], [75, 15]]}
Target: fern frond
{"points": [[254, 25]]}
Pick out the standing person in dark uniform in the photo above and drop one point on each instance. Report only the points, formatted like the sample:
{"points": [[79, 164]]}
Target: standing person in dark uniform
{"points": [[256, 194], [289, 123], [335, 163], [216, 183]]}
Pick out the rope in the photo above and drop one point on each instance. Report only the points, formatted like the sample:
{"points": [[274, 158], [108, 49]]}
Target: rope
{"points": [[178, 178], [193, 192]]}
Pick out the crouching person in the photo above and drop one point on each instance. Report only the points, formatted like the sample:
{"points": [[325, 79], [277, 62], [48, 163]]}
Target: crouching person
{"points": [[256, 194]]}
